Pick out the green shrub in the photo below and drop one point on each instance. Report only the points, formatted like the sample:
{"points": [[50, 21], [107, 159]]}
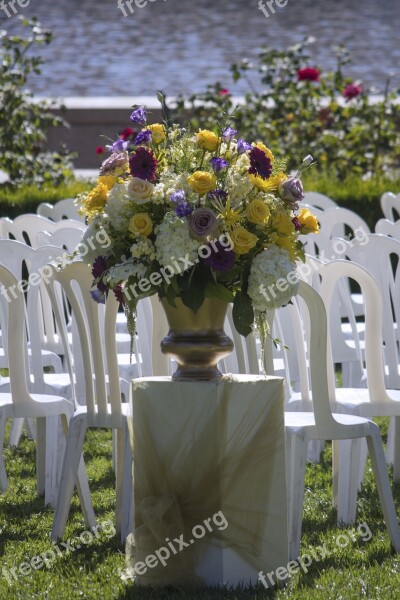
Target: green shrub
{"points": [[23, 123], [17, 201], [297, 110]]}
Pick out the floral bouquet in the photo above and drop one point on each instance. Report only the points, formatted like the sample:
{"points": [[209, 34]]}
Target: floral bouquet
{"points": [[194, 216]]}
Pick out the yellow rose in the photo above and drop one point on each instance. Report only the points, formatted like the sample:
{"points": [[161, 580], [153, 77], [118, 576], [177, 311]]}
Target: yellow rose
{"points": [[158, 132], [258, 212], [141, 224], [108, 180], [207, 140], [266, 150], [94, 201], [139, 190], [243, 240], [283, 224], [202, 182], [308, 221]]}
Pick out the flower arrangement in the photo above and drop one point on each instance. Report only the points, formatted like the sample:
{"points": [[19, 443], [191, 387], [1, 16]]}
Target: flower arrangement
{"points": [[193, 216]]}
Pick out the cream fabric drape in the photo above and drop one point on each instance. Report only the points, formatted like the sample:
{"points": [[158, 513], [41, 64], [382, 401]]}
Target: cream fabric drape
{"points": [[201, 448]]}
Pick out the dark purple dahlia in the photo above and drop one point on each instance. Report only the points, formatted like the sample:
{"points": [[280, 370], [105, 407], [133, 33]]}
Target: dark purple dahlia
{"points": [[143, 164], [260, 164]]}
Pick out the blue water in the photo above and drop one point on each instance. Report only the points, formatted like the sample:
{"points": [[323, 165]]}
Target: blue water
{"points": [[181, 45]]}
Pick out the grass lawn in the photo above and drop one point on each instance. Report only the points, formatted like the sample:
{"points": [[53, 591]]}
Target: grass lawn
{"points": [[361, 568]]}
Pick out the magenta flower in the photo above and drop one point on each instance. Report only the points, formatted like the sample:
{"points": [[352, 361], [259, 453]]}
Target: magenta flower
{"points": [[308, 74], [260, 164], [352, 90], [143, 164]]}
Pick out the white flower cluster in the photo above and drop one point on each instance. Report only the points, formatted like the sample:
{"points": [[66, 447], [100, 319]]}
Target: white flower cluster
{"points": [[266, 269], [125, 270], [238, 185], [143, 247], [173, 182], [119, 207], [173, 240], [159, 196]]}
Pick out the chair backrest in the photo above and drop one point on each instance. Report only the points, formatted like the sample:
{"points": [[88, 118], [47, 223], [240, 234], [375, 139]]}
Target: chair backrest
{"points": [[318, 200], [29, 267], [13, 312], [390, 228], [390, 204], [27, 228], [341, 222], [332, 273], [67, 238], [381, 257], [63, 209], [97, 348]]}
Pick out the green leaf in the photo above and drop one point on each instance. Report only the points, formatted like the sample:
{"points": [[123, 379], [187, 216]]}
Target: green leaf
{"points": [[243, 313], [171, 295], [216, 290]]}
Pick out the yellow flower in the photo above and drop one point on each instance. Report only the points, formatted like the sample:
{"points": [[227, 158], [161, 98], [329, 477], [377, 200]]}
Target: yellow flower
{"points": [[243, 240], [207, 140], [268, 185], [287, 242], [258, 211], [266, 151], [308, 221], [282, 223], [141, 224], [108, 180], [202, 182], [158, 132], [94, 201]]}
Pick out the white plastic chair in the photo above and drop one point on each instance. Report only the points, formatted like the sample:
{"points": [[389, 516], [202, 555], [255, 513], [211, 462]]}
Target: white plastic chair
{"points": [[63, 209], [321, 424], [21, 403], [390, 228], [318, 200], [390, 204], [103, 406], [26, 228]]}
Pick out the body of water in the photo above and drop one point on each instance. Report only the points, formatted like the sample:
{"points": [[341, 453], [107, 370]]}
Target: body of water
{"points": [[181, 45]]}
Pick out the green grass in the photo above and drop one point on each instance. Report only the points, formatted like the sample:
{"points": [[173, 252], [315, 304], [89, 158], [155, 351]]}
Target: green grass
{"points": [[362, 569]]}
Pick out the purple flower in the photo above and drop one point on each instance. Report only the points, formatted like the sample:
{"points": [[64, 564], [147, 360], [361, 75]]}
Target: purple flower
{"points": [[220, 259], [291, 191], [228, 134], [179, 196], [99, 266], [98, 296], [296, 223], [202, 222], [139, 115], [142, 137], [218, 164], [260, 164], [118, 146], [243, 146], [217, 195], [114, 164], [143, 164], [119, 294], [183, 209]]}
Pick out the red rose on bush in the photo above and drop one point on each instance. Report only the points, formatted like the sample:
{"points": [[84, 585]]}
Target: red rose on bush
{"points": [[126, 133], [100, 150], [223, 92], [352, 90], [308, 74]]}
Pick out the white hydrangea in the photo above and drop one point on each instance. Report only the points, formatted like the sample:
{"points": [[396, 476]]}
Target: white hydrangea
{"points": [[119, 207], [174, 182], [238, 185], [159, 196], [125, 270], [173, 241], [269, 275], [143, 248]]}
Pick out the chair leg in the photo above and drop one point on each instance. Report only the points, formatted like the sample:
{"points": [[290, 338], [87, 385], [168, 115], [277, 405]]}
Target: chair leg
{"points": [[396, 448], [41, 455], [16, 431], [348, 480], [296, 470], [3, 473], [127, 491], [314, 450], [72, 458], [379, 468], [390, 443]]}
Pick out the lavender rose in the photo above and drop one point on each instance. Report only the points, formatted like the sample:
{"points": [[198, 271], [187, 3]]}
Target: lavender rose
{"points": [[291, 190], [115, 164], [202, 222]]}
